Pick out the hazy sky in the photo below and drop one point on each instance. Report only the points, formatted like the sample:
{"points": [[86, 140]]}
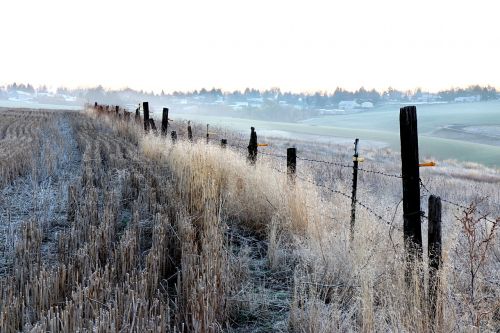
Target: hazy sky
{"points": [[295, 45]]}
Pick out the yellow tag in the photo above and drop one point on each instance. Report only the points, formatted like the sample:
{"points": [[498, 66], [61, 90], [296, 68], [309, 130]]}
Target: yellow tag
{"points": [[262, 145], [359, 159], [427, 164]]}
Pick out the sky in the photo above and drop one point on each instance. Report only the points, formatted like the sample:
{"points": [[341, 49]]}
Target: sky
{"points": [[300, 46]]}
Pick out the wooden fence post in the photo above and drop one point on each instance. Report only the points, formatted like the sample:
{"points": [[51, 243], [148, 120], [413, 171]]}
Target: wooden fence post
{"points": [[138, 113], [152, 124], [291, 164], [117, 110], [207, 135], [164, 122], [223, 143], [145, 106], [434, 251], [190, 131], [354, 186], [174, 136], [412, 231], [252, 146]]}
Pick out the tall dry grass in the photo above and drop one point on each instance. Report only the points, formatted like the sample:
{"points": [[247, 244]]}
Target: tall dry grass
{"points": [[337, 286]]}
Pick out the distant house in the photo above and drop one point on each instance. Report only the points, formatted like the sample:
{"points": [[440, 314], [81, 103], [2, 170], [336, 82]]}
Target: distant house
{"points": [[468, 99], [255, 102], [326, 112], [349, 105], [239, 105], [20, 96], [367, 105]]}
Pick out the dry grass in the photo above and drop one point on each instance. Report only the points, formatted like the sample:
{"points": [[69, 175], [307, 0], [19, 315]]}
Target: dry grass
{"points": [[156, 236]]}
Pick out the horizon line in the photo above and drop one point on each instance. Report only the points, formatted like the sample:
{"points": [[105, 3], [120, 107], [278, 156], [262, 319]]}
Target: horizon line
{"points": [[305, 92]]}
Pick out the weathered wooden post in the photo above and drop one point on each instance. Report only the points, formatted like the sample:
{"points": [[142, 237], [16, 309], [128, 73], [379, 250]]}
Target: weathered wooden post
{"points": [[164, 122], [291, 164], [207, 135], [412, 231], [190, 131], [117, 110], [434, 252], [152, 124], [138, 113], [174, 136], [145, 107], [354, 186], [223, 143], [95, 105], [252, 146]]}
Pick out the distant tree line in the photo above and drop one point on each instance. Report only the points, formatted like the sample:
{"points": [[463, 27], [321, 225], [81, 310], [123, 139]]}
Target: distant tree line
{"points": [[315, 100], [486, 93]]}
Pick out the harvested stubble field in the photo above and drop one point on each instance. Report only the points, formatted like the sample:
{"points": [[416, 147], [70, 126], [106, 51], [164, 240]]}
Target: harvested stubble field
{"points": [[105, 229]]}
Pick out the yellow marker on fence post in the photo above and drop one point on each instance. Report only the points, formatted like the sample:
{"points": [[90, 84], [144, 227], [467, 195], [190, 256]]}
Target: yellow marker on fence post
{"points": [[427, 164], [262, 145]]}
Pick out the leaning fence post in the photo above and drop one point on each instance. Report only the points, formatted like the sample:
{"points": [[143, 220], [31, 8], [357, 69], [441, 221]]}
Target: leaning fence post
{"points": [[223, 143], [145, 106], [291, 164], [434, 251], [412, 231]]}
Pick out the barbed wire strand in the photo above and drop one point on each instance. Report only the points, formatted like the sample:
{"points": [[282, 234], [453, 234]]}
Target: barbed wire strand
{"points": [[363, 205], [426, 189], [325, 162]]}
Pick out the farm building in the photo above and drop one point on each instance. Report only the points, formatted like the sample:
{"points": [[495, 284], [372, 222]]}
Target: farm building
{"points": [[367, 105], [349, 105], [468, 99]]}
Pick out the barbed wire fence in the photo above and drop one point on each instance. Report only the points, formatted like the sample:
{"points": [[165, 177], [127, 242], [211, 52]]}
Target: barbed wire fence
{"points": [[115, 110], [414, 189], [127, 115]]}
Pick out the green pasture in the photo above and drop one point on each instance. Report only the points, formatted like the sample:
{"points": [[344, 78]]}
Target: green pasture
{"points": [[382, 125]]}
